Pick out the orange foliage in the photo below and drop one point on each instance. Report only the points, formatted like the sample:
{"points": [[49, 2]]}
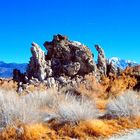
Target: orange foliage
{"points": [[94, 129], [108, 87], [90, 87], [28, 132], [8, 84], [115, 85], [90, 129]]}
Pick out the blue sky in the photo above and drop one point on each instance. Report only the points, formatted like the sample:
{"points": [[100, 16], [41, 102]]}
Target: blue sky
{"points": [[114, 24]]}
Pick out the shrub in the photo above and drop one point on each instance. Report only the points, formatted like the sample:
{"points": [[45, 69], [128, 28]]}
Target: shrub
{"points": [[24, 109], [125, 105], [75, 109], [42, 98], [115, 85], [90, 87], [13, 109]]}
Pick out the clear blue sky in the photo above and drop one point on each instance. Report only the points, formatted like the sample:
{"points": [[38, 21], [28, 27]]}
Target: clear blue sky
{"points": [[114, 24]]}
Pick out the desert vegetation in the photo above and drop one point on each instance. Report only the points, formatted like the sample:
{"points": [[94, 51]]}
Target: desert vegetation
{"points": [[126, 105], [88, 111]]}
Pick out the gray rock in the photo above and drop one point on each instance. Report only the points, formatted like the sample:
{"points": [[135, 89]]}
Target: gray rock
{"points": [[66, 63], [51, 82], [37, 67], [71, 69], [102, 62]]}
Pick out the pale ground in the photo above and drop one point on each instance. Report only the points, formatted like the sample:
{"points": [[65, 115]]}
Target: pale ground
{"points": [[133, 135]]}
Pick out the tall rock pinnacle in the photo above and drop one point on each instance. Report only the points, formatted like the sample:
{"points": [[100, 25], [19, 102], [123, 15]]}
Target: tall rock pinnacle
{"points": [[101, 62], [37, 67]]}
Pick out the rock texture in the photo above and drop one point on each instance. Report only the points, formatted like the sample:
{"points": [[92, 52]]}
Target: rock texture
{"points": [[136, 73], [38, 67], [101, 62], [66, 62], [68, 57], [113, 70]]}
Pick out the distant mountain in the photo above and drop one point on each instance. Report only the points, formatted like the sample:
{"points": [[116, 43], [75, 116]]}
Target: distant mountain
{"points": [[121, 63], [6, 69]]}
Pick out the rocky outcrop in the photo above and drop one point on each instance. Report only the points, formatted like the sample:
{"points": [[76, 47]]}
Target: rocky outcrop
{"points": [[66, 63], [68, 57]]}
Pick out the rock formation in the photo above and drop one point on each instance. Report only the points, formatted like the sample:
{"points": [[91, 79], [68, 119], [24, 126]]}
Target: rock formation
{"points": [[66, 62], [68, 57], [38, 67], [18, 76], [101, 62]]}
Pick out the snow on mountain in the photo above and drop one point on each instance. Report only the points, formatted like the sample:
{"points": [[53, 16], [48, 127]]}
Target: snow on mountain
{"points": [[6, 69], [121, 63]]}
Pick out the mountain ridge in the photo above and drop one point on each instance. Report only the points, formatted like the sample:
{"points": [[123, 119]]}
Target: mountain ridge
{"points": [[122, 63], [6, 69]]}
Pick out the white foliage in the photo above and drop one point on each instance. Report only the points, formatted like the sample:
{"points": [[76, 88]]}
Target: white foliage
{"points": [[126, 105], [74, 109], [25, 109]]}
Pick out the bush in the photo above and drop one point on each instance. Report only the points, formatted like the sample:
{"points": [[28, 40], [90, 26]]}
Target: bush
{"points": [[24, 109], [74, 109], [42, 98], [115, 85], [125, 105], [90, 87]]}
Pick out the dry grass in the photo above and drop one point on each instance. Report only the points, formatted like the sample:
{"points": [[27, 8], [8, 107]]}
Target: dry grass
{"points": [[109, 87], [74, 109], [106, 128], [85, 128], [89, 129], [43, 98], [125, 105], [8, 84], [96, 129], [24, 109], [114, 86], [90, 88], [15, 109], [75, 116], [29, 132]]}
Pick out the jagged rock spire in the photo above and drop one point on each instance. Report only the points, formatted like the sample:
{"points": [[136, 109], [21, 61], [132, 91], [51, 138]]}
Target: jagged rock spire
{"points": [[37, 67], [101, 62]]}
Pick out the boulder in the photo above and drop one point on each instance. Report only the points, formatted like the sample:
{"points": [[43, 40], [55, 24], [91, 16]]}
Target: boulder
{"points": [[68, 56]]}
